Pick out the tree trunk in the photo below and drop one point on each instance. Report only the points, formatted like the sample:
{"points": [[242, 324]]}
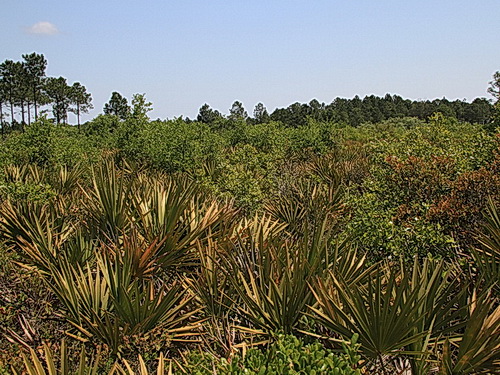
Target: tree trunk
{"points": [[58, 120], [22, 115], [78, 115], [23, 120], [11, 109], [29, 113], [34, 103], [1, 119]]}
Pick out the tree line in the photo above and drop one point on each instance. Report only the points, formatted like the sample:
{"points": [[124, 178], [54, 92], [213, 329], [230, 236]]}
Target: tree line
{"points": [[370, 109], [352, 112], [25, 89], [356, 111]]}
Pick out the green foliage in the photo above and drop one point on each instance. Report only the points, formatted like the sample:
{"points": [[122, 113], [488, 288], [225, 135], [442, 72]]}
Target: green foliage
{"points": [[81, 99], [400, 313], [267, 137], [384, 316], [108, 304], [172, 145], [371, 109], [45, 144], [59, 94], [375, 229], [260, 114], [237, 112], [226, 232], [469, 146], [207, 115], [487, 255], [71, 150], [287, 355], [243, 175], [140, 107], [427, 189], [38, 142], [106, 269], [117, 106], [9, 147], [31, 192], [101, 129], [314, 136]]}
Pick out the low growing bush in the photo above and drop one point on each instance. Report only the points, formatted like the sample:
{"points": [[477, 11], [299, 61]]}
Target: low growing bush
{"points": [[287, 355]]}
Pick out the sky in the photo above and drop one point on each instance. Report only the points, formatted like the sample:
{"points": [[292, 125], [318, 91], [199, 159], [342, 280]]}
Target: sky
{"points": [[184, 53]]}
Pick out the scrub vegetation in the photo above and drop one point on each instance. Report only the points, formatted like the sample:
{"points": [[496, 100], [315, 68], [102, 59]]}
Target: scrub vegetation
{"points": [[358, 237]]}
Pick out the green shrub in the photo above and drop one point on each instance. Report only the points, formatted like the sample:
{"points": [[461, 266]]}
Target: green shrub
{"points": [[381, 230], [288, 355], [470, 146], [245, 175], [27, 191], [315, 136], [38, 142], [171, 145], [427, 188], [45, 144]]}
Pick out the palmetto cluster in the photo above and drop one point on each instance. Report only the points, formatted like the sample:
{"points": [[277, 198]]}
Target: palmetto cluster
{"points": [[128, 252]]}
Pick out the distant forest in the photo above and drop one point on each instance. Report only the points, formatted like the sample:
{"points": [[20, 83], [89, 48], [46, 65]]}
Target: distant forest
{"points": [[25, 88], [357, 111]]}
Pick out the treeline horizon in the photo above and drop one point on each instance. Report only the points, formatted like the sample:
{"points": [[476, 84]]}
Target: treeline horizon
{"points": [[356, 111], [25, 88]]}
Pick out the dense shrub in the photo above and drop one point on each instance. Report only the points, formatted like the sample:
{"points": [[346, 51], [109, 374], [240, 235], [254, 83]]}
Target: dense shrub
{"points": [[427, 189], [45, 144], [470, 146], [26, 191], [243, 174], [288, 355], [461, 209], [385, 231], [172, 145]]}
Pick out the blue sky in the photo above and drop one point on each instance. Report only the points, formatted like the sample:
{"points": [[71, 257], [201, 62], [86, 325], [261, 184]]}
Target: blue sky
{"points": [[183, 53]]}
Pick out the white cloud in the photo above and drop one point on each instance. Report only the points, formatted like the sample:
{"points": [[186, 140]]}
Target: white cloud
{"points": [[43, 28]]}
